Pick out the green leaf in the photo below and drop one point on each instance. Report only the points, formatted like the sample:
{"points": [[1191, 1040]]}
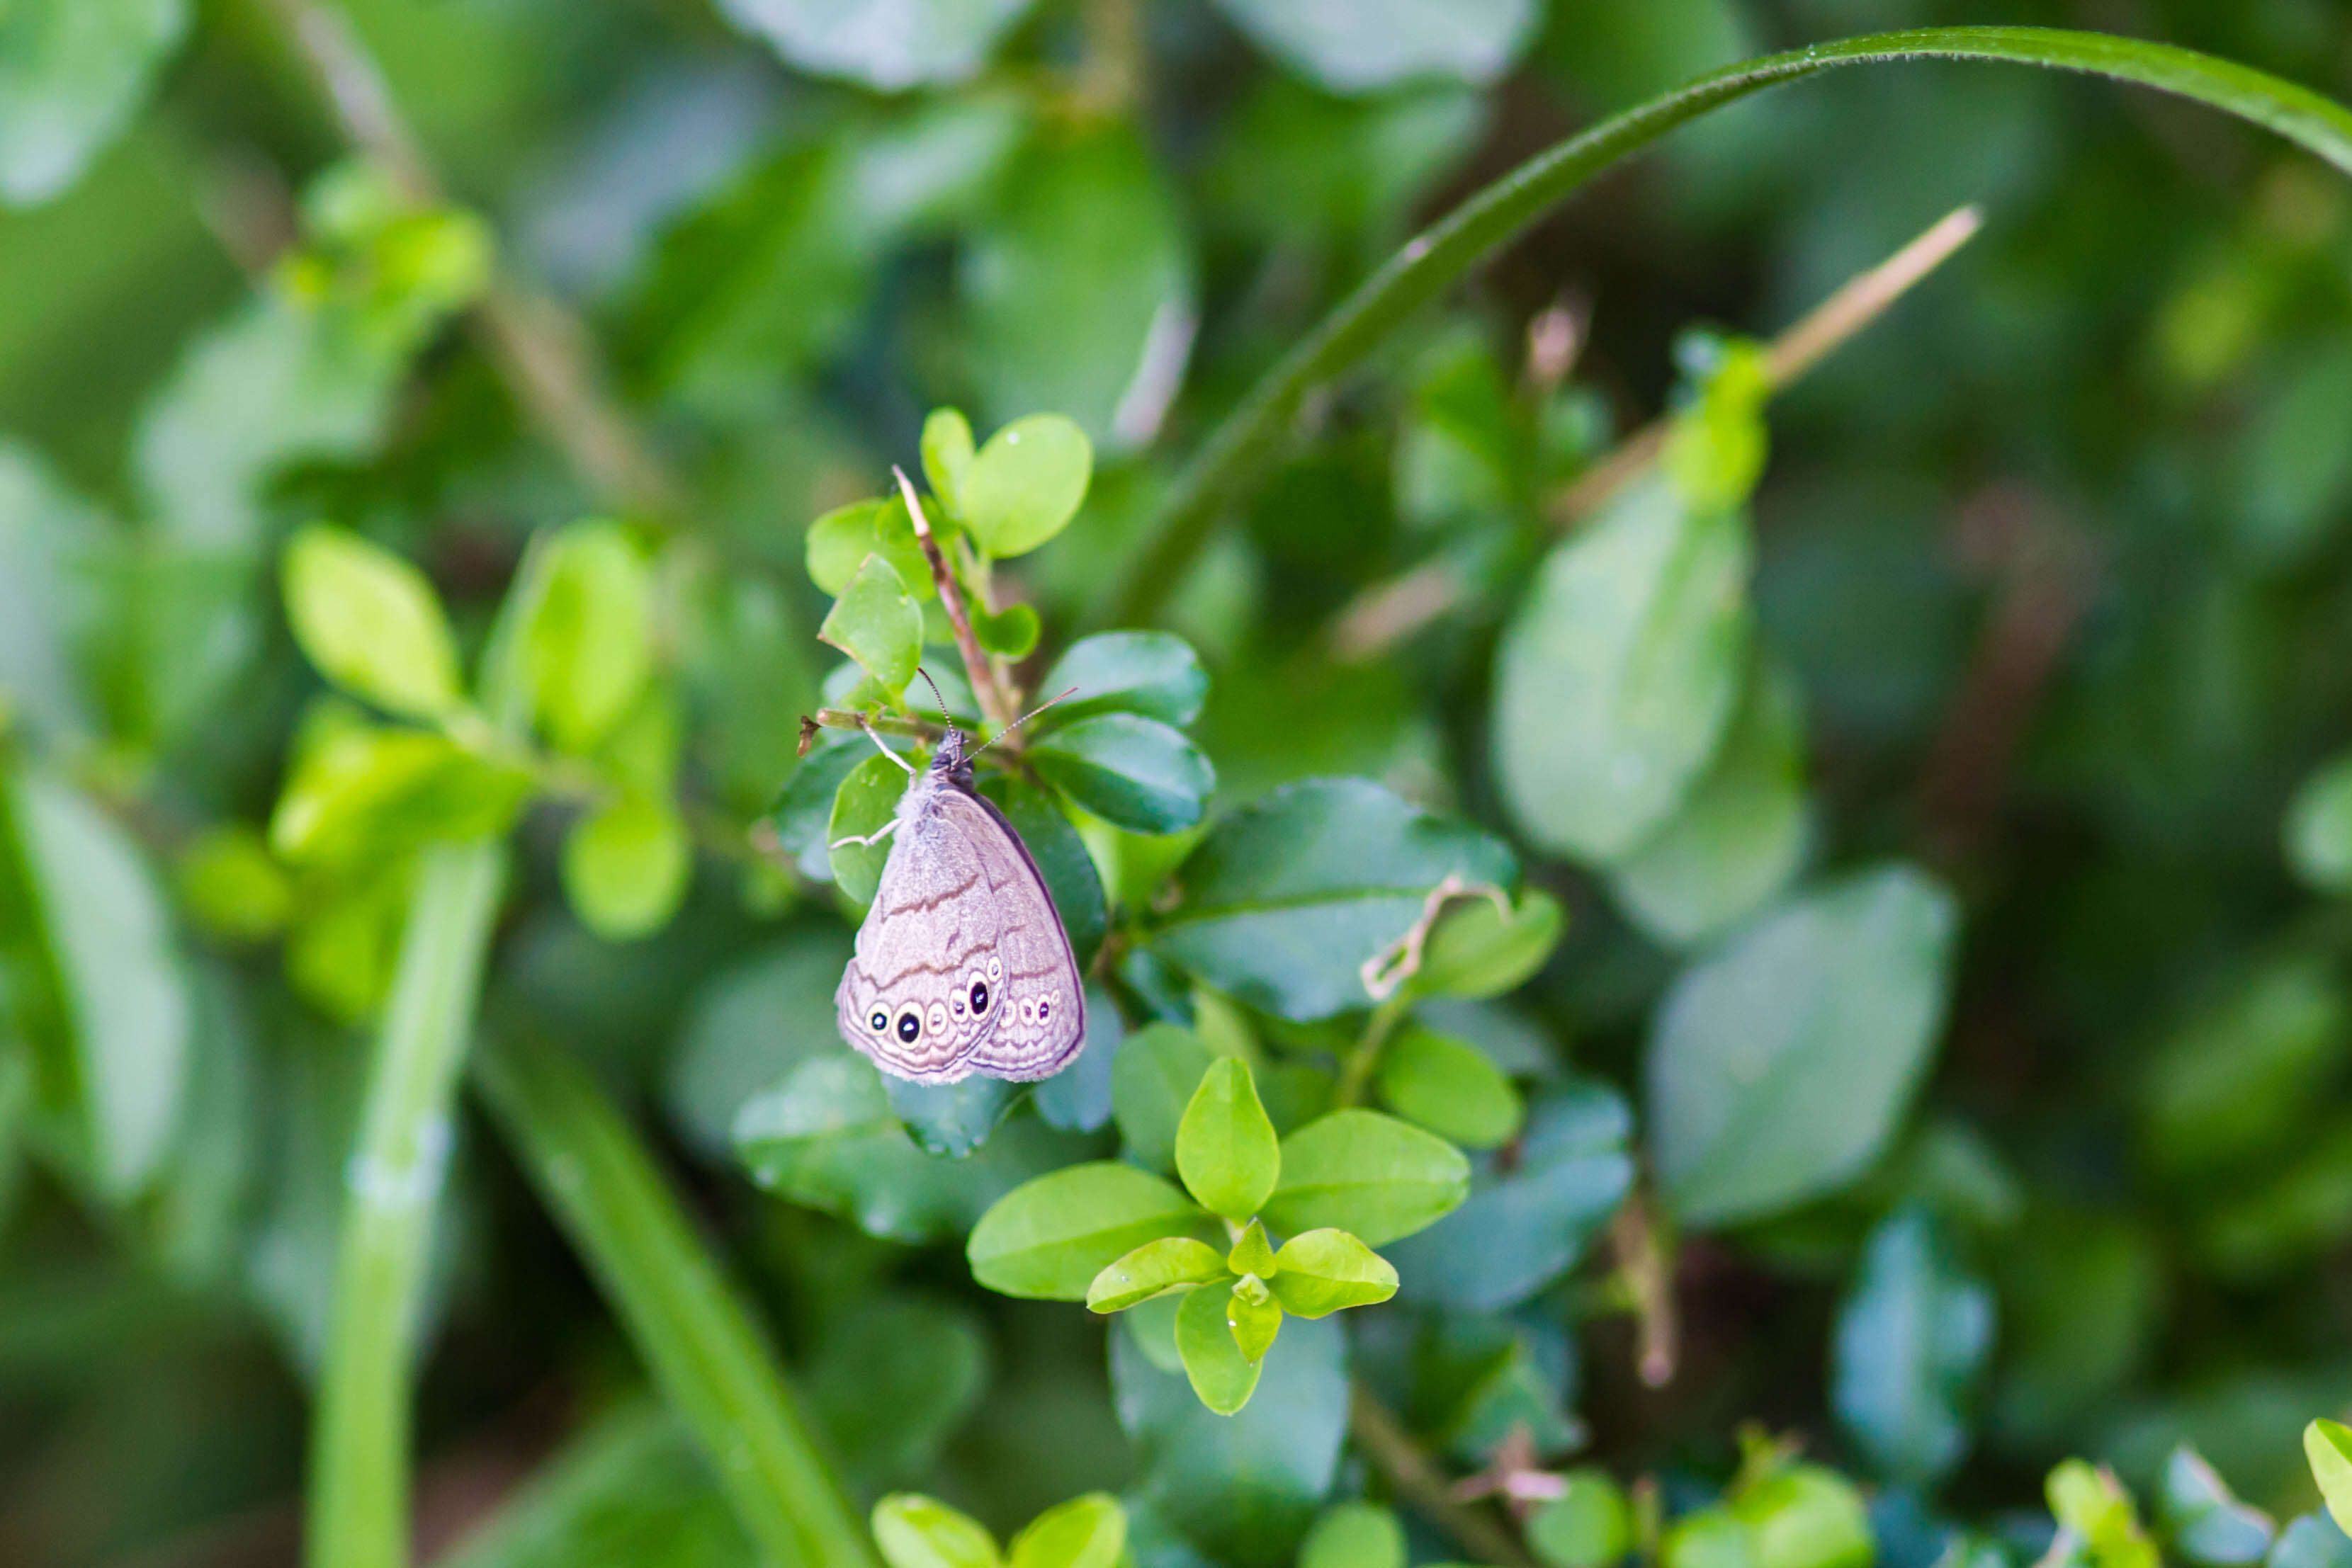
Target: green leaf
{"points": [[589, 639], [371, 792], [2094, 1505], [1319, 1272], [2312, 1540], [2328, 1446], [95, 984], [1740, 834], [867, 799], [1154, 674], [1779, 1067], [1587, 1525], [891, 46], [2204, 1518], [1379, 44], [232, 886], [891, 1381], [1050, 1237], [1088, 1532], [1286, 899], [1354, 1535], [1369, 1173], [1078, 297], [1616, 676], [1482, 947], [826, 1137], [1253, 1253], [747, 1028], [2319, 828], [1154, 1268], [625, 867], [1222, 1377], [1133, 773], [1526, 1225], [370, 622], [1225, 1148], [1253, 1316], [72, 73], [1710, 1538], [948, 453], [1152, 1080], [1026, 485], [1062, 859], [803, 812], [876, 622], [2240, 1075], [1912, 1340], [839, 542], [1806, 1517], [1448, 1086], [1010, 634], [1242, 1488], [917, 1532], [951, 1119]]}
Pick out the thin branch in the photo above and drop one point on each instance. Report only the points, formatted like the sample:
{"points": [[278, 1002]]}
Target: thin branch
{"points": [[993, 706], [1645, 1265], [1388, 612], [540, 350], [1420, 1482]]}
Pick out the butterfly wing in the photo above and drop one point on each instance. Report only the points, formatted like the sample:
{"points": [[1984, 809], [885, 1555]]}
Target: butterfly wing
{"points": [[1039, 1017]]}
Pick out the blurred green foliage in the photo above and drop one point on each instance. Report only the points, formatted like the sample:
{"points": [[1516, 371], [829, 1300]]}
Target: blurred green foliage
{"points": [[1765, 989]]}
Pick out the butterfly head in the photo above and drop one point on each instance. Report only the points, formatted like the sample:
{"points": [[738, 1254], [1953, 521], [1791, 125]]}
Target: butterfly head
{"points": [[950, 762]]}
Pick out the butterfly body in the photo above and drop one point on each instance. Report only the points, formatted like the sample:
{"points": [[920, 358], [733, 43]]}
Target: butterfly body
{"points": [[962, 965]]}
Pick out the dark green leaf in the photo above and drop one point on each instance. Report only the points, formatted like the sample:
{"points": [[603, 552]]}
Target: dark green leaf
{"points": [[70, 80], [1912, 1340], [1153, 674], [803, 814], [1383, 43], [1285, 900], [2204, 1518], [951, 1119], [1527, 1225], [1449, 1087], [893, 45], [1616, 678], [1367, 1174], [1152, 1080], [1133, 773], [2313, 1541], [1779, 1067]]}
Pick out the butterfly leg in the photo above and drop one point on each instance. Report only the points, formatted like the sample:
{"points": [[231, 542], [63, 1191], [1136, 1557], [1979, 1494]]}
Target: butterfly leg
{"points": [[868, 726], [876, 837]]}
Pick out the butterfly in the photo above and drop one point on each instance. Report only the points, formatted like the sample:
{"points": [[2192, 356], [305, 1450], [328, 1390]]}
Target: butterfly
{"points": [[962, 965]]}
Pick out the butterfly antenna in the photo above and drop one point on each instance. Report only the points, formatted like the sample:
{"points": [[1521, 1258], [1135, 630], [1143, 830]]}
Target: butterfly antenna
{"points": [[1026, 717], [944, 717]]}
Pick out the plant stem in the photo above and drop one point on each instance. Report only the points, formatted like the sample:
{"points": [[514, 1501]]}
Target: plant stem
{"points": [[1420, 1482], [1356, 1073], [1434, 260], [994, 706], [540, 350], [685, 1317], [358, 1514]]}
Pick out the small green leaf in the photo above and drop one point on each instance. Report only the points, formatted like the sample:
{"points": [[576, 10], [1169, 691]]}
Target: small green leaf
{"points": [[1011, 632], [1222, 1377], [590, 637], [72, 78], [625, 867], [1050, 1237], [876, 622], [2204, 1518], [1806, 1516], [1152, 1080], [1155, 674], [839, 542], [1225, 1148], [1450, 1087], [2319, 828], [370, 792], [1319, 1272], [916, 1531], [1088, 1532], [2328, 1446], [370, 622], [866, 800], [947, 455], [1911, 1341], [1587, 1525], [1354, 1535], [1133, 773], [1480, 949], [1369, 1173], [1254, 1317], [232, 886], [1710, 1538], [1026, 485], [1153, 1270], [1253, 1254]]}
